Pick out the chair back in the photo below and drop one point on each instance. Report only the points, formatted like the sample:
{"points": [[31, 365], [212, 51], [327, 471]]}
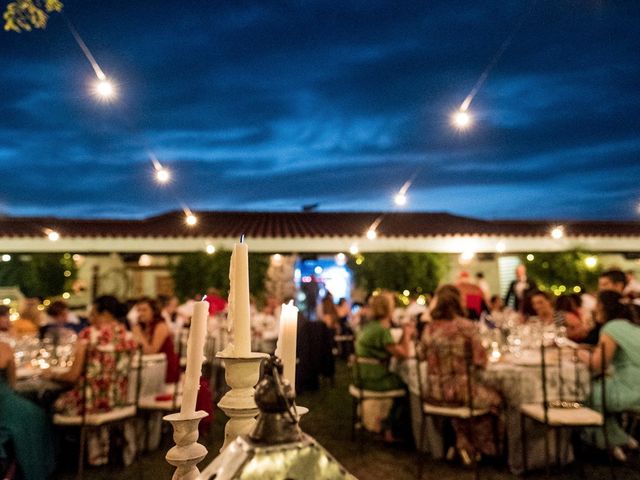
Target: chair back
{"points": [[450, 373], [559, 390], [357, 374], [104, 383]]}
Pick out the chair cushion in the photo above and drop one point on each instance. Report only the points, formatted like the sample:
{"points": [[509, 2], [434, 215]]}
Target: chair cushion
{"points": [[96, 419], [371, 394], [458, 412], [151, 402], [582, 416]]}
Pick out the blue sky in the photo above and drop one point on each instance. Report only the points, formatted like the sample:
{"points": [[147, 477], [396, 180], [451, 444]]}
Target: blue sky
{"points": [[273, 105]]}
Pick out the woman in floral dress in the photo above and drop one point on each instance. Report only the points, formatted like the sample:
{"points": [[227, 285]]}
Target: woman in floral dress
{"points": [[105, 346], [448, 340]]}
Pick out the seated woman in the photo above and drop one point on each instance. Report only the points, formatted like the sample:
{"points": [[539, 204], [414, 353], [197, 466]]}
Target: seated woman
{"points": [[100, 346], [154, 336], [23, 424], [621, 341], [555, 319], [444, 341], [376, 343]]}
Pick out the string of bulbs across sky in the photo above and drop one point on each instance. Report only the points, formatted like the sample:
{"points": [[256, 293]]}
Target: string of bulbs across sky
{"points": [[106, 90]]}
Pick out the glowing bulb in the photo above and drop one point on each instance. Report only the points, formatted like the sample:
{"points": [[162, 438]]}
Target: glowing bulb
{"points": [[191, 219], [104, 90], [144, 260], [372, 234], [530, 257], [406, 293], [557, 232], [341, 259], [210, 249], [163, 175], [6, 257], [466, 257], [591, 262], [53, 235], [400, 199], [501, 247], [353, 249], [66, 295], [461, 119]]}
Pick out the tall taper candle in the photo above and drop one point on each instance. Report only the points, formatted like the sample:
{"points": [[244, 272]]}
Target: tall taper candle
{"points": [[287, 341], [195, 356], [239, 306]]}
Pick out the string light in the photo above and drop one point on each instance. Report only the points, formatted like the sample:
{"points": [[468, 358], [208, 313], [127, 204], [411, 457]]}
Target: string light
{"points": [[6, 257], [557, 232], [191, 219], [210, 249], [591, 261], [52, 235], [353, 249], [400, 199], [461, 119], [372, 234], [105, 90], [501, 247], [163, 175]]}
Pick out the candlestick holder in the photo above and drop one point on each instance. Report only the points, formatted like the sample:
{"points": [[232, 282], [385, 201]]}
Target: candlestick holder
{"points": [[241, 374], [187, 452]]}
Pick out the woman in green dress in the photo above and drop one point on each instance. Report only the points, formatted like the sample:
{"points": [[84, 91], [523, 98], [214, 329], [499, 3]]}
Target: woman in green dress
{"points": [[620, 339], [24, 425], [374, 347]]}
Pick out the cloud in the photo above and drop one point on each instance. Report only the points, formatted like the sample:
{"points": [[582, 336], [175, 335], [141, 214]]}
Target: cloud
{"points": [[258, 105]]}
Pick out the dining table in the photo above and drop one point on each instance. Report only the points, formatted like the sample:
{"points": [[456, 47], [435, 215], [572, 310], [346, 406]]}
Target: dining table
{"points": [[518, 378]]}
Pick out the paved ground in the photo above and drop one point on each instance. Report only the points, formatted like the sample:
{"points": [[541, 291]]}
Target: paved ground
{"points": [[329, 422]]}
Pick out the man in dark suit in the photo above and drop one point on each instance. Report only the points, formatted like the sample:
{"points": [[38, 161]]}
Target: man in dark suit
{"points": [[519, 288]]}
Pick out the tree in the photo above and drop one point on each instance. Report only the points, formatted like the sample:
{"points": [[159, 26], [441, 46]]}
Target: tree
{"points": [[398, 271], [562, 272], [24, 15], [39, 274], [195, 272]]}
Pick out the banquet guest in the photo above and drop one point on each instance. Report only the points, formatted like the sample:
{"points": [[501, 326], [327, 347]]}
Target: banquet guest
{"points": [[24, 424], [632, 288], [616, 280], [343, 310], [329, 312], [153, 335], [551, 318], [577, 329], [99, 346], [484, 286], [472, 296], [265, 326], [496, 310], [6, 329], [60, 325], [217, 304], [444, 341], [376, 343], [519, 289], [29, 321], [621, 341]]}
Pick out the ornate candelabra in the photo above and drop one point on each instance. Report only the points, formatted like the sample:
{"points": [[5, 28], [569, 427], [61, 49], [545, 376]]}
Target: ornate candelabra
{"points": [[241, 374], [187, 452]]}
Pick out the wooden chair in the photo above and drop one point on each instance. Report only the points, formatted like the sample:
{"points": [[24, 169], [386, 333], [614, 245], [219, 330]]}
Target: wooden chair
{"points": [[359, 394], [562, 413], [86, 421], [433, 403]]}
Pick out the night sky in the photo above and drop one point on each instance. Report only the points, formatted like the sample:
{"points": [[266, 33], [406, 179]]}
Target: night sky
{"points": [[272, 105]]}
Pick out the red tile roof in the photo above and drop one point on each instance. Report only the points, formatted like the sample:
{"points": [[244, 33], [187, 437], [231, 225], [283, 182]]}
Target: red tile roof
{"points": [[306, 224]]}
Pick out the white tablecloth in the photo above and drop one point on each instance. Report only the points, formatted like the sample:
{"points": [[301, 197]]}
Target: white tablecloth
{"points": [[518, 383]]}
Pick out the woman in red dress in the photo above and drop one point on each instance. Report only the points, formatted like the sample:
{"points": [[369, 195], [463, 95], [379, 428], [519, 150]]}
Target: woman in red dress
{"points": [[154, 336]]}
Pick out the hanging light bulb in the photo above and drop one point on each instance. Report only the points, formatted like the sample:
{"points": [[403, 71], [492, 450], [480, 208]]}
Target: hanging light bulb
{"points": [[461, 120]]}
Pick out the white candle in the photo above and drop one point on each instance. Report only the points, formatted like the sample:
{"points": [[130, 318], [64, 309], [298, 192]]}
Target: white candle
{"points": [[287, 341], [195, 356], [239, 305]]}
